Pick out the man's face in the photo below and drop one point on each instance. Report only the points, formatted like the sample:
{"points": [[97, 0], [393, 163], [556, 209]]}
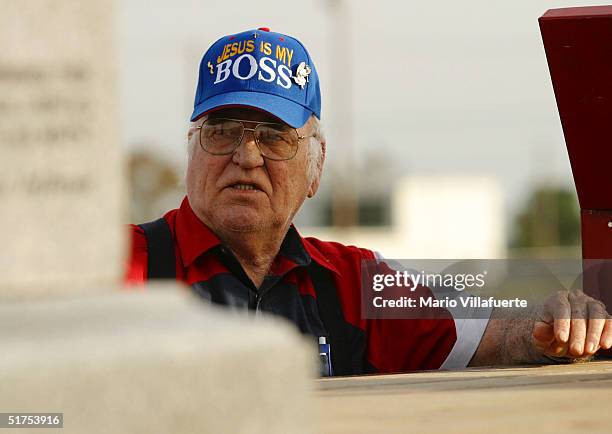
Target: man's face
{"points": [[215, 183]]}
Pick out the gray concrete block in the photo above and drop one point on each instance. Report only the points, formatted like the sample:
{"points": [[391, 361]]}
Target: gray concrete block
{"points": [[154, 362]]}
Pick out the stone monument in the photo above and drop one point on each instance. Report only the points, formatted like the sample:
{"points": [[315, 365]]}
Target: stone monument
{"points": [[73, 340], [60, 184]]}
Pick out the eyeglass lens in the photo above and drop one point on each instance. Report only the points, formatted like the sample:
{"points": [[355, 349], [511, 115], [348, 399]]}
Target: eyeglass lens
{"points": [[222, 136]]}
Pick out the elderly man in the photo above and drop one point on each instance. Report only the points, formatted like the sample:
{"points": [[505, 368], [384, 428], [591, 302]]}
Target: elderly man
{"points": [[255, 154]]}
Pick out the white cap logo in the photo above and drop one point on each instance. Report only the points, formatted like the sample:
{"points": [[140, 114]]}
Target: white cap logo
{"points": [[301, 74]]}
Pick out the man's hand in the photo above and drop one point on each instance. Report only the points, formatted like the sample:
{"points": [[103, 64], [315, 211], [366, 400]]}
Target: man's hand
{"points": [[569, 324], [573, 325]]}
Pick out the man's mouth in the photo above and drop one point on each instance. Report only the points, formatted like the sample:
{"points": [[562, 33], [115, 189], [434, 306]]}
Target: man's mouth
{"points": [[245, 187]]}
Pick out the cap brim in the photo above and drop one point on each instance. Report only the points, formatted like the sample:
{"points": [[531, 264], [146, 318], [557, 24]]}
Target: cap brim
{"points": [[289, 112]]}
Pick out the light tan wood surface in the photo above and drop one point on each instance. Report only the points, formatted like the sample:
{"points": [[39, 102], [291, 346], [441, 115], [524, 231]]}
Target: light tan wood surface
{"points": [[573, 398]]}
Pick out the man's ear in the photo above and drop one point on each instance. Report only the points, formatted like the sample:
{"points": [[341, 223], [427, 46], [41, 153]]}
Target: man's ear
{"points": [[314, 185], [190, 132]]}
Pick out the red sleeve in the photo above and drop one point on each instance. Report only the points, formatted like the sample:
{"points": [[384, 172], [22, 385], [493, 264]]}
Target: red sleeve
{"points": [[393, 345], [401, 345], [136, 267], [421, 340]]}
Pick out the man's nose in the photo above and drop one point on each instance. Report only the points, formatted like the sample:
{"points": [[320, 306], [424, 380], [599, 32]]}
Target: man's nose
{"points": [[247, 154]]}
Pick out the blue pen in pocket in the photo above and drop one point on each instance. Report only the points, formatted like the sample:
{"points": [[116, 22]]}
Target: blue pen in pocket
{"points": [[325, 357]]}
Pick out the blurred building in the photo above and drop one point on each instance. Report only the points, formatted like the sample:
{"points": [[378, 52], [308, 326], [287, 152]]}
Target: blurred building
{"points": [[453, 216]]}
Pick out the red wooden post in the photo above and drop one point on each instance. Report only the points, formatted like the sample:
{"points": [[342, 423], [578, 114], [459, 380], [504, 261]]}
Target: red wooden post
{"points": [[578, 44]]}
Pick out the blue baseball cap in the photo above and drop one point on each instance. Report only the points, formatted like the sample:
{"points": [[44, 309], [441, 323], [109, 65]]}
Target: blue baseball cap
{"points": [[261, 69]]}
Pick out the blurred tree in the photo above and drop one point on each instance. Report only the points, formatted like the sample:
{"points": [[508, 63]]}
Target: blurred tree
{"points": [[550, 218], [154, 186], [372, 210]]}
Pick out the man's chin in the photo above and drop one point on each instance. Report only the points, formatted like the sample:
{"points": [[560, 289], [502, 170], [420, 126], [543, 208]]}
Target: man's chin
{"points": [[245, 222], [242, 227]]}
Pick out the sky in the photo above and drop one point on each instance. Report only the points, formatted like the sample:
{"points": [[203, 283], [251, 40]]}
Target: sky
{"points": [[437, 87]]}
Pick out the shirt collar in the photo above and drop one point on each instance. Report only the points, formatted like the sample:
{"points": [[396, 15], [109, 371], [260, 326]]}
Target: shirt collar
{"points": [[312, 252], [194, 238]]}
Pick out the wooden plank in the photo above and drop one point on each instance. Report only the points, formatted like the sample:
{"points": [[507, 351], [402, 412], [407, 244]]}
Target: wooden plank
{"points": [[582, 12], [578, 43], [556, 398]]}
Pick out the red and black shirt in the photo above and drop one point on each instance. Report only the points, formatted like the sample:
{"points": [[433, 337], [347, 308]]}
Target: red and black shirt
{"points": [[303, 270]]}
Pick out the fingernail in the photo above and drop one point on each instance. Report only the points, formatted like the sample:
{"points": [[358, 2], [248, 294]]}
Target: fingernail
{"points": [[591, 348], [563, 335]]}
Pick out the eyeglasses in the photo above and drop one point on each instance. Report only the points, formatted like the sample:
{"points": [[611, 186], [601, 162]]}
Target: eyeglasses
{"points": [[222, 136]]}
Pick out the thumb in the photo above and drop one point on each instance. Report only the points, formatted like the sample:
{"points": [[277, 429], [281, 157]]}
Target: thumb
{"points": [[543, 327], [543, 334]]}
